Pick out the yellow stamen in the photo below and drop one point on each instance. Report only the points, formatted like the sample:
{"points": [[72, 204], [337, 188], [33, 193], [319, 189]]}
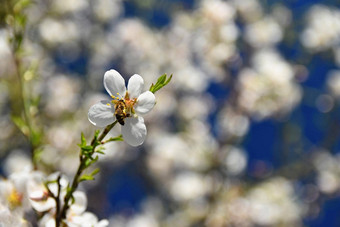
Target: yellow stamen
{"points": [[15, 199]]}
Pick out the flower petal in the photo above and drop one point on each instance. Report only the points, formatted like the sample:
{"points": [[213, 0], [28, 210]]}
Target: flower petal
{"points": [[103, 223], [145, 103], [101, 114], [80, 202], [43, 205], [135, 86], [134, 131], [114, 83]]}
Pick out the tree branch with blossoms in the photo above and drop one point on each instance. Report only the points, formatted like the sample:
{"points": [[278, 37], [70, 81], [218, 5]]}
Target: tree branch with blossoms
{"points": [[126, 107]]}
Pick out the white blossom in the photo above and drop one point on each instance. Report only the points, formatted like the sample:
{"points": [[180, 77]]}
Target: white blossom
{"points": [[127, 106], [268, 88], [323, 29]]}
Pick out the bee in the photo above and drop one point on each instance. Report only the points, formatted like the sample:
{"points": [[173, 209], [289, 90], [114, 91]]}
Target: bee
{"points": [[120, 111]]}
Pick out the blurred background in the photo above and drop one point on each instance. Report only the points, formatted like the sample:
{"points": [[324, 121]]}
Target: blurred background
{"points": [[246, 133]]}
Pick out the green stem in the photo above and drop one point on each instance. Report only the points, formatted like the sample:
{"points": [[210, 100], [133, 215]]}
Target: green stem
{"points": [[18, 35], [76, 180]]}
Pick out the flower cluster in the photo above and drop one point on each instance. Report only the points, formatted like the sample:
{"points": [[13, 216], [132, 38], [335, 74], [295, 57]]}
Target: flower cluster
{"points": [[268, 88], [323, 29], [26, 191]]}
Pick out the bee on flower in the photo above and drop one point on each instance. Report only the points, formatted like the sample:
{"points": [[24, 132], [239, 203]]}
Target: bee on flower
{"points": [[127, 106]]}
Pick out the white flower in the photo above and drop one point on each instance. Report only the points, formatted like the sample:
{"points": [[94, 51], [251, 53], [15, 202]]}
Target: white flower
{"points": [[13, 192], [77, 217], [126, 106], [38, 194], [11, 219], [87, 219]]}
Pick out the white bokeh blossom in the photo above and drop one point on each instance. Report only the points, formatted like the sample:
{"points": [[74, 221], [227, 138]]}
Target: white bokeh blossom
{"points": [[127, 106]]}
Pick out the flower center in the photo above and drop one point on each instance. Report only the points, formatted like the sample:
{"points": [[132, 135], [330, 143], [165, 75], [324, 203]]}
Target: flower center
{"points": [[15, 199], [129, 103], [123, 107]]}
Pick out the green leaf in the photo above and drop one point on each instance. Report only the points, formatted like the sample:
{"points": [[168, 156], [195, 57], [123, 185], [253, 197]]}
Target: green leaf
{"points": [[36, 137], [87, 148], [100, 151], [21, 5], [68, 189], [94, 172], [96, 143], [85, 178], [51, 182], [161, 79], [90, 176], [90, 160], [96, 133], [21, 124], [83, 140], [166, 82], [118, 138], [161, 82], [37, 154]]}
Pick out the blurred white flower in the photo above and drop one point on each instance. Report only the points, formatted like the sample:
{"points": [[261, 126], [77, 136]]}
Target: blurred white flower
{"points": [[107, 10], [62, 95], [191, 150], [250, 10], [234, 159], [195, 107], [333, 83], [50, 31], [268, 89], [328, 171], [124, 107], [232, 123], [142, 221], [17, 161], [189, 185], [269, 200], [65, 6], [323, 29], [10, 219], [328, 181], [14, 197], [262, 33], [39, 196], [282, 15], [10, 196], [217, 11], [167, 151], [235, 207], [87, 219], [191, 78], [77, 217], [43, 200]]}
